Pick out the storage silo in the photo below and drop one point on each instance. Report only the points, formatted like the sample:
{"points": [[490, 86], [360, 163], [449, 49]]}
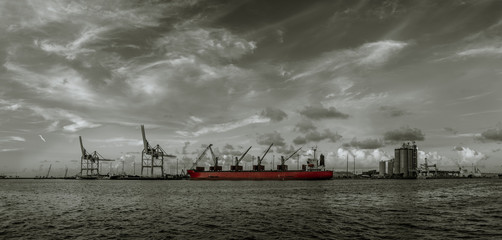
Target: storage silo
{"points": [[403, 160], [411, 169], [390, 167], [381, 168], [397, 162], [414, 161]]}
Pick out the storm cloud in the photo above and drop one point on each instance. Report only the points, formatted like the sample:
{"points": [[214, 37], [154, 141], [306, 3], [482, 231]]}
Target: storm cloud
{"points": [[392, 112], [305, 126], [276, 115], [365, 144], [269, 138], [319, 112], [404, 134], [316, 136], [494, 134]]}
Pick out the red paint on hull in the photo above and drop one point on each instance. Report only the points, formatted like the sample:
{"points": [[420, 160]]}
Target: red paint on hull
{"points": [[265, 175]]}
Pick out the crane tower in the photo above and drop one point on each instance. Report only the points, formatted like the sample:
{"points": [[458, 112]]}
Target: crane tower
{"points": [[89, 162], [152, 157]]}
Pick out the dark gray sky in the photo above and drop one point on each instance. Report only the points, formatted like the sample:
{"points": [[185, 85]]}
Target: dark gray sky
{"points": [[353, 77]]}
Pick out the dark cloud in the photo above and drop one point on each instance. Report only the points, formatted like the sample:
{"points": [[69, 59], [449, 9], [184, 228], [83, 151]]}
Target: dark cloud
{"points": [[269, 138], [494, 134], [315, 136], [300, 140], [458, 148], [390, 111], [404, 134], [320, 112], [305, 126], [276, 115], [450, 130], [228, 149], [365, 144], [285, 150]]}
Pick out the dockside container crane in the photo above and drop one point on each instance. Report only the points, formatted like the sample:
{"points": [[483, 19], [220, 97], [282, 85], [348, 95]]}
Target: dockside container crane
{"points": [[152, 157], [89, 162]]}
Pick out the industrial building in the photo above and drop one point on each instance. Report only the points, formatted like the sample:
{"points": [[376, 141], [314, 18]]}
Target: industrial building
{"points": [[404, 164]]}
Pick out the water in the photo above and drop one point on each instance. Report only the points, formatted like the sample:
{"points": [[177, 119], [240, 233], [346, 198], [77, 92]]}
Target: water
{"points": [[337, 209]]}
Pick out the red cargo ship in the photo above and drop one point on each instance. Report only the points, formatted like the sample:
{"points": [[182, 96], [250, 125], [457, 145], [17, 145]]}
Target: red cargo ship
{"points": [[314, 170]]}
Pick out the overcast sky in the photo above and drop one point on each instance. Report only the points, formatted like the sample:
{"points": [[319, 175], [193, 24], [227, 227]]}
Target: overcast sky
{"points": [[352, 77]]}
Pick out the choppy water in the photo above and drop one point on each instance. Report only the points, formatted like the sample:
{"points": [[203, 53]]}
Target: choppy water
{"points": [[338, 209]]}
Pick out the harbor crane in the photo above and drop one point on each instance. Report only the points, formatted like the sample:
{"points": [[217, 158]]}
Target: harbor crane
{"points": [[283, 167], [238, 160], [200, 156], [49, 171], [152, 157], [258, 166], [215, 160], [89, 162]]}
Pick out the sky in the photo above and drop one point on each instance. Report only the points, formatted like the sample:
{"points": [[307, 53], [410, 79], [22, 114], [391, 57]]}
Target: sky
{"points": [[354, 78]]}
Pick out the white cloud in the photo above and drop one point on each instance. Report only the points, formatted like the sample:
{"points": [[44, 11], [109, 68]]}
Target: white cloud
{"points": [[56, 83], [224, 127], [468, 156], [119, 141], [74, 48], [365, 158], [479, 52], [207, 42], [54, 114], [11, 149], [12, 139], [377, 53], [368, 55]]}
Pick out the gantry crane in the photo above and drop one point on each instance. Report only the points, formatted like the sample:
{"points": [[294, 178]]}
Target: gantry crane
{"points": [[89, 162], [238, 160], [283, 167], [152, 157], [259, 167]]}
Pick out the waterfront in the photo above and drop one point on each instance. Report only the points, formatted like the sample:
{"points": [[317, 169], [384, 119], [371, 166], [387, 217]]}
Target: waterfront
{"points": [[336, 209]]}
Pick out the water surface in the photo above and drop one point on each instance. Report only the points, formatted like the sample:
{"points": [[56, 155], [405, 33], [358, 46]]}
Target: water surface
{"points": [[335, 209]]}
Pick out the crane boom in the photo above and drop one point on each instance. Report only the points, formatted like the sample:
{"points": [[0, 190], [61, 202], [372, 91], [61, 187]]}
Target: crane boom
{"points": [[200, 157], [50, 166], [145, 142], [213, 156], [82, 146], [292, 154], [239, 160], [264, 154]]}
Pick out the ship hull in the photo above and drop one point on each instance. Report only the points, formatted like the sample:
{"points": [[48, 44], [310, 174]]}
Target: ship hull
{"points": [[261, 175]]}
